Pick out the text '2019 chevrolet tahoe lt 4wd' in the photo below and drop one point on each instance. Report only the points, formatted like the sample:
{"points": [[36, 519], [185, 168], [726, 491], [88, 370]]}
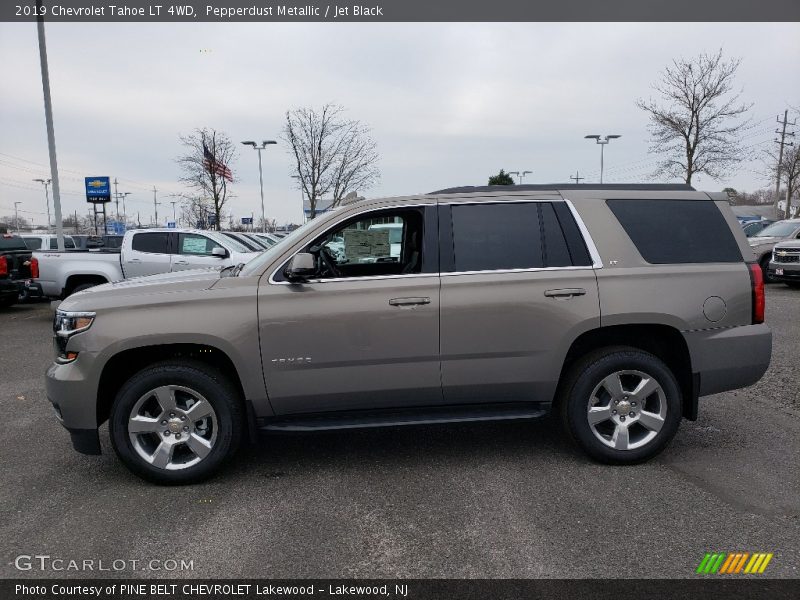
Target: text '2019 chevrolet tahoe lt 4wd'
{"points": [[616, 306]]}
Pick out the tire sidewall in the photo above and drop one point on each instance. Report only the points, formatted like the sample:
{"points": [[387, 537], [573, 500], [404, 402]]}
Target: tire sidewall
{"points": [[211, 385], [591, 374]]}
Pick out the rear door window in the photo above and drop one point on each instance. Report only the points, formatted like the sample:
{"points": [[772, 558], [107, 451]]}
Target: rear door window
{"points": [[677, 231], [490, 237], [153, 243]]}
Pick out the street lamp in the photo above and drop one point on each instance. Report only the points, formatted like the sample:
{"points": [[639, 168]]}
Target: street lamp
{"points": [[520, 174], [602, 140], [45, 183], [16, 214], [255, 146]]}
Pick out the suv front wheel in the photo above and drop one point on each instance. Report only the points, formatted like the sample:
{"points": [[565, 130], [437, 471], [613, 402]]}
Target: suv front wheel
{"points": [[621, 405], [176, 422]]}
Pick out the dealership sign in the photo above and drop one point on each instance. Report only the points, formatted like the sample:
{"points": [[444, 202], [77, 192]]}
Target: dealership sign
{"points": [[98, 189]]}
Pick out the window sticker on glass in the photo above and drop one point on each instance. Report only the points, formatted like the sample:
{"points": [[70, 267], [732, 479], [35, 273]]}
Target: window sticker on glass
{"points": [[360, 243], [194, 245]]}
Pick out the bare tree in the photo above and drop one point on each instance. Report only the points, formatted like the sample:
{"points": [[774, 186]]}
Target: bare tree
{"points": [[332, 155], [194, 211], [697, 127], [790, 176], [206, 166]]}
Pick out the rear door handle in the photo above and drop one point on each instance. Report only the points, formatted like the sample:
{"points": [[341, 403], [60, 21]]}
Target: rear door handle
{"points": [[134, 260], [565, 293], [409, 301], [181, 262]]}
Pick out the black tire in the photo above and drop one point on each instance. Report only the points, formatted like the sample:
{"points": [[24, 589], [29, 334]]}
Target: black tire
{"points": [[586, 375], [8, 302], [198, 377], [81, 287], [793, 284], [764, 264]]}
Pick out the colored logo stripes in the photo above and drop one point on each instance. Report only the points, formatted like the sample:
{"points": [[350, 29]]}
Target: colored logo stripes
{"points": [[727, 563]]}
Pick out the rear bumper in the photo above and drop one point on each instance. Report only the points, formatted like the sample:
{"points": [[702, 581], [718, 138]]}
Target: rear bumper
{"points": [[790, 272], [729, 359], [9, 288]]}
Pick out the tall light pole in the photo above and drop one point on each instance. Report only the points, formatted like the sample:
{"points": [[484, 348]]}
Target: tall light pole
{"points": [[45, 183], [602, 140], [255, 146], [520, 174], [16, 215], [174, 217]]}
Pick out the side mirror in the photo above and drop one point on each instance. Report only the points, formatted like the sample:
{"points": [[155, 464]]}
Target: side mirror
{"points": [[301, 266], [219, 252]]}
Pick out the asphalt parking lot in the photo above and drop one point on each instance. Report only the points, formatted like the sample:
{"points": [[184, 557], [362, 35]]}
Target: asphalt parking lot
{"points": [[504, 500]]}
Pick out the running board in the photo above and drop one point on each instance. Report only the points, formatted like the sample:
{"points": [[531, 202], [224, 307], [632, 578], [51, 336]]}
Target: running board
{"points": [[421, 416]]}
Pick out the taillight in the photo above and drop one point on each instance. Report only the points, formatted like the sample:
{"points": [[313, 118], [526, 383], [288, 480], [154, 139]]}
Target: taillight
{"points": [[35, 268], [3, 265], [757, 286]]}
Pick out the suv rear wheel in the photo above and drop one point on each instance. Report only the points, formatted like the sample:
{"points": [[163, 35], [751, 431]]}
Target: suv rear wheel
{"points": [[621, 405], [176, 422]]}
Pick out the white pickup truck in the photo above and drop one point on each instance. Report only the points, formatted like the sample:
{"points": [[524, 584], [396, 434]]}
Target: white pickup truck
{"points": [[143, 252]]}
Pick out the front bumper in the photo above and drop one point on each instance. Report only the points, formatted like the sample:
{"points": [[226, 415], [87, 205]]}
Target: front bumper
{"points": [[729, 359], [73, 393], [789, 271]]}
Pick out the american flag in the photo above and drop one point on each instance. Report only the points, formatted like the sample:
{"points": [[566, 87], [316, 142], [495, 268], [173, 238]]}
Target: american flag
{"points": [[212, 165]]}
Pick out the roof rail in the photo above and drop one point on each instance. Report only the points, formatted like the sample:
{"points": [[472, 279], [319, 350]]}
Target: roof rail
{"points": [[545, 187]]}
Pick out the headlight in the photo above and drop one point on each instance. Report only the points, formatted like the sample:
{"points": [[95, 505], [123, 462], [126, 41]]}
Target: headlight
{"points": [[65, 325]]}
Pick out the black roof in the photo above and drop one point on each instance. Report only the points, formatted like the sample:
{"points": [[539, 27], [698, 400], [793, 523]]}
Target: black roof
{"points": [[552, 187]]}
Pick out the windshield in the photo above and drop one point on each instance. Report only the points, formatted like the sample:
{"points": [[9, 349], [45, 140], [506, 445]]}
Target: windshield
{"points": [[257, 264], [229, 242], [783, 229]]}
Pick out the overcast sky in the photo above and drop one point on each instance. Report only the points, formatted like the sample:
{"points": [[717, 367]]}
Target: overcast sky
{"points": [[449, 104]]}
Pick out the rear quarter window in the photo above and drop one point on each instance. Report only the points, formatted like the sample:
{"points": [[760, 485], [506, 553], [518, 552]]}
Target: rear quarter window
{"points": [[677, 231]]}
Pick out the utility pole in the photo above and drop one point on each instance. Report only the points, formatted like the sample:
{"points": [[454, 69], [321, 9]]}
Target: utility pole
{"points": [[116, 195], [48, 118], [174, 218], [155, 203], [45, 183], [16, 215], [782, 143], [577, 177]]}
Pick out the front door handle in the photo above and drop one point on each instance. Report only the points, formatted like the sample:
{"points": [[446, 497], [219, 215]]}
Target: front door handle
{"points": [[565, 293], [409, 301]]}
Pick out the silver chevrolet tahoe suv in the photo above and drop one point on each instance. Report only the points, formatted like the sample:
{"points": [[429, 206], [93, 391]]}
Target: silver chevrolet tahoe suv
{"points": [[614, 307]]}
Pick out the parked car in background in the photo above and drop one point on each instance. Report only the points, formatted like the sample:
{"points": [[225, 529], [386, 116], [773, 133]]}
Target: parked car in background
{"points": [[47, 241], [752, 228], [492, 311], [17, 268], [743, 219], [785, 263], [244, 240], [764, 241], [267, 239], [87, 242], [143, 252]]}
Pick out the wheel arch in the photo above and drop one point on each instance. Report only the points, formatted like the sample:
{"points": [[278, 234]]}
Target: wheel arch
{"points": [[123, 365], [663, 341], [77, 279]]}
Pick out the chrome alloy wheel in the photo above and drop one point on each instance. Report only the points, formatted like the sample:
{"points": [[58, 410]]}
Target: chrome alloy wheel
{"points": [[172, 427], [627, 409]]}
